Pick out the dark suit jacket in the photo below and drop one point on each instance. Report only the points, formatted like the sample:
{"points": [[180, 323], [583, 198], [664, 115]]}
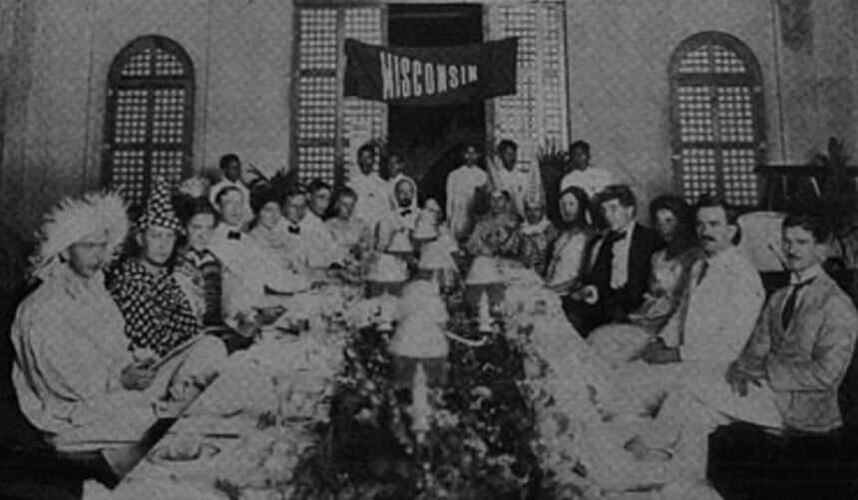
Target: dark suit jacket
{"points": [[616, 304]]}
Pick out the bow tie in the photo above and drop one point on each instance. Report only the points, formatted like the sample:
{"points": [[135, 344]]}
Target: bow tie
{"points": [[233, 235], [406, 212], [295, 229]]}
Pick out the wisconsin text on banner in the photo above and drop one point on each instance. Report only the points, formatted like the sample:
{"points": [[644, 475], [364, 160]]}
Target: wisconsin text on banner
{"points": [[432, 76]]}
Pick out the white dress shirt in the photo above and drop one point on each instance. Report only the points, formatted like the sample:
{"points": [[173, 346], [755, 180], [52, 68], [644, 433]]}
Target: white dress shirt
{"points": [[317, 240], [592, 180], [373, 202]]}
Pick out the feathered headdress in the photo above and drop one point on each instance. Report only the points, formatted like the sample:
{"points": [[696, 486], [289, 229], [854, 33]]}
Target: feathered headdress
{"points": [[264, 189], [72, 220]]}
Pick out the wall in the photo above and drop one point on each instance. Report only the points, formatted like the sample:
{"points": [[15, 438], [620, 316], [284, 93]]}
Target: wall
{"points": [[619, 51], [241, 50], [55, 56]]}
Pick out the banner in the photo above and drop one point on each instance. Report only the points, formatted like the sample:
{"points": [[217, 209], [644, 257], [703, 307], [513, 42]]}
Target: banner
{"points": [[430, 76]]}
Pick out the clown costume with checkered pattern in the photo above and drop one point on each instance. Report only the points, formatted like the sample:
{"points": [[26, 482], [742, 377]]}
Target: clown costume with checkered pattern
{"points": [[158, 314]]}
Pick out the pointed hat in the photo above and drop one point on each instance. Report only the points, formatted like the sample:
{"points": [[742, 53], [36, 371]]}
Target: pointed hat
{"points": [[159, 208]]}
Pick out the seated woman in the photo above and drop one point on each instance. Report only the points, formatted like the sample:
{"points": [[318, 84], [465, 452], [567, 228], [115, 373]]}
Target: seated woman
{"points": [[496, 233], [269, 228], [568, 251], [537, 236], [351, 234], [670, 270]]}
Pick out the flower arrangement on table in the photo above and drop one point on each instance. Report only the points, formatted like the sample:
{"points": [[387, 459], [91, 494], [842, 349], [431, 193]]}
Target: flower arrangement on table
{"points": [[478, 442]]}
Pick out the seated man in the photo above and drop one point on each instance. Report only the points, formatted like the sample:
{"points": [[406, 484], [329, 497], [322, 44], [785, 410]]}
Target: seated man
{"points": [[306, 232], [248, 268], [352, 235], [402, 217], [717, 311], [496, 233], [319, 202], [616, 280], [76, 380], [158, 314], [788, 374]]}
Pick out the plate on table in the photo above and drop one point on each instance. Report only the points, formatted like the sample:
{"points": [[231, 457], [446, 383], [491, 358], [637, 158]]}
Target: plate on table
{"points": [[171, 454]]}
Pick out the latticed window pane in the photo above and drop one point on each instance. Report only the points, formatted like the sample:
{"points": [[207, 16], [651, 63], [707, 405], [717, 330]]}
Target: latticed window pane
{"points": [[168, 118], [128, 170], [695, 114], [318, 47], [317, 162], [149, 116], [538, 111], [717, 105], [130, 125], [698, 172], [330, 127]]}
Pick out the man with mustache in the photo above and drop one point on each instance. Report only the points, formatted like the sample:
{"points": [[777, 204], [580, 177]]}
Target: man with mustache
{"points": [[787, 375], [716, 315]]}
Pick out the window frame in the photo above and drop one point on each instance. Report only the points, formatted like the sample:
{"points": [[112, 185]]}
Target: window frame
{"points": [[753, 79], [116, 82]]}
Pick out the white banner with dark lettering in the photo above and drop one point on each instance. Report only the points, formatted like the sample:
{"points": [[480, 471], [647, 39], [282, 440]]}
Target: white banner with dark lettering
{"points": [[430, 76]]}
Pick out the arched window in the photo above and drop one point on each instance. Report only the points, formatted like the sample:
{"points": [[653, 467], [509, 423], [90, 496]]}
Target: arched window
{"points": [[717, 118], [149, 123]]}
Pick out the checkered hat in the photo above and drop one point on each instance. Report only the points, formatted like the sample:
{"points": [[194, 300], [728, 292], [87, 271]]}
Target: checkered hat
{"points": [[159, 208]]}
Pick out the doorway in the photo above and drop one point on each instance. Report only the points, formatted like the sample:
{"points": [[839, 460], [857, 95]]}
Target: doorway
{"points": [[430, 138]]}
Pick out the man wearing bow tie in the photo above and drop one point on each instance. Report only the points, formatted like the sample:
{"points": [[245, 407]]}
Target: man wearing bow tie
{"points": [[619, 267], [788, 374], [248, 267], [310, 236], [402, 217]]}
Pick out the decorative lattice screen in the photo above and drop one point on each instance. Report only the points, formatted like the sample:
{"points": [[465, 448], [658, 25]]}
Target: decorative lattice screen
{"points": [[329, 128], [718, 128], [148, 128], [538, 112]]}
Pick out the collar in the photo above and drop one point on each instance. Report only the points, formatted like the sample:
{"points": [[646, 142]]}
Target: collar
{"points": [[806, 275], [723, 257]]}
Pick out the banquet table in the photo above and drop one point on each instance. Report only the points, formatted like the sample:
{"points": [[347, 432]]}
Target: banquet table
{"points": [[254, 423]]}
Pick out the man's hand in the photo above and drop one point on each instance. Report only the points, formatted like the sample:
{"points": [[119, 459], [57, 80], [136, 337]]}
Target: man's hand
{"points": [[739, 380], [656, 353], [138, 375], [588, 294]]}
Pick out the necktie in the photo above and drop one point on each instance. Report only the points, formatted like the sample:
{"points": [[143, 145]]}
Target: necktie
{"points": [[233, 235], [704, 268], [295, 229], [406, 212], [789, 305], [604, 260]]}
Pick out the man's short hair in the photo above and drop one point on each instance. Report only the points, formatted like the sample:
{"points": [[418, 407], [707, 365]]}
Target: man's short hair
{"points": [[710, 200], [316, 185], [814, 225], [583, 145], [621, 192], [226, 159], [507, 144]]}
